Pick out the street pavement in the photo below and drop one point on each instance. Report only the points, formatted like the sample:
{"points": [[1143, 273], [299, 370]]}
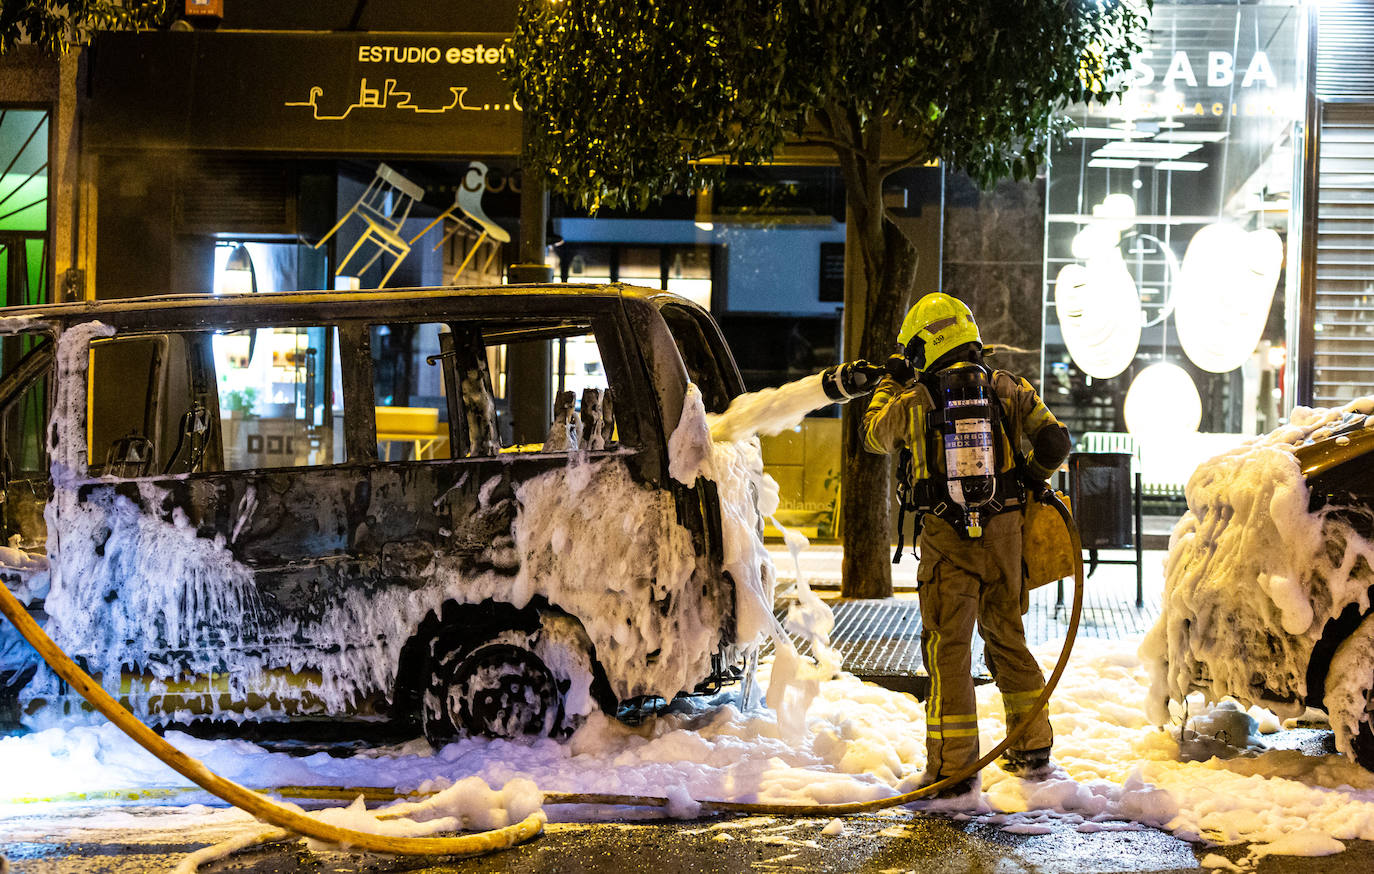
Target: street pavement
{"points": [[890, 842], [79, 838]]}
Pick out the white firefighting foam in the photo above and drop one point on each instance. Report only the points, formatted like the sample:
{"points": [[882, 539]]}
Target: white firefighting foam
{"points": [[1252, 579], [747, 496], [769, 411], [1116, 771], [155, 585]]}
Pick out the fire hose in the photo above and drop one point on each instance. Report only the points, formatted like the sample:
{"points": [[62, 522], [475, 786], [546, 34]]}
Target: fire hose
{"points": [[292, 821]]}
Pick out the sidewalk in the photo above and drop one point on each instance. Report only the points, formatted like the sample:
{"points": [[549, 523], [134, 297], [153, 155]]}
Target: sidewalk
{"points": [[880, 639]]}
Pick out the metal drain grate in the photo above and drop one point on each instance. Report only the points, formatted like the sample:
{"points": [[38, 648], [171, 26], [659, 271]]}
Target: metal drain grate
{"points": [[1107, 614], [880, 641]]}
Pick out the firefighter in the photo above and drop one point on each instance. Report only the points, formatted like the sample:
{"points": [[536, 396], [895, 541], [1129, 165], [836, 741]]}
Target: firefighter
{"points": [[963, 426]]}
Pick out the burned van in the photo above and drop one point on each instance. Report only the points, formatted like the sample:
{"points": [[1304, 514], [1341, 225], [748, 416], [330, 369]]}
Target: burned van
{"points": [[282, 506]]}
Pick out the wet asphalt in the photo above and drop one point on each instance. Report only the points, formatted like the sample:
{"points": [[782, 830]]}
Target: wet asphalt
{"points": [[885, 843]]}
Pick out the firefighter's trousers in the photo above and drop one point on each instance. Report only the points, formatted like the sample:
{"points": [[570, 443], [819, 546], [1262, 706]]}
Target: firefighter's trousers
{"points": [[960, 582]]}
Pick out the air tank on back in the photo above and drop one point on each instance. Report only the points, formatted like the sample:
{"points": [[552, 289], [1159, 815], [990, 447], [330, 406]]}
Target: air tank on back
{"points": [[970, 458]]}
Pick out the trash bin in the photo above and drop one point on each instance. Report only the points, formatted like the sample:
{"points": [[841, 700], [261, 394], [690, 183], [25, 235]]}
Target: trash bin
{"points": [[1100, 489]]}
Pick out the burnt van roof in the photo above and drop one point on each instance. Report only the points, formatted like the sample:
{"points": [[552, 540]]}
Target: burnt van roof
{"points": [[209, 309]]}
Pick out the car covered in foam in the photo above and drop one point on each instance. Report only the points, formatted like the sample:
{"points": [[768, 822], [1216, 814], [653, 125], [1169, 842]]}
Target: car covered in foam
{"points": [[1269, 590]]}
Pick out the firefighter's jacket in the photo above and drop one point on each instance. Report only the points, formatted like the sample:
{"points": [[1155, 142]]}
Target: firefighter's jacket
{"points": [[897, 416]]}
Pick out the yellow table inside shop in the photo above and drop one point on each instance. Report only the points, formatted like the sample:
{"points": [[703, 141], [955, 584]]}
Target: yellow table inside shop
{"points": [[419, 426]]}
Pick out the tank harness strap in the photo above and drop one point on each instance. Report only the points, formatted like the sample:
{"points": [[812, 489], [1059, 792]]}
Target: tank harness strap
{"points": [[1013, 475], [911, 498], [901, 534]]}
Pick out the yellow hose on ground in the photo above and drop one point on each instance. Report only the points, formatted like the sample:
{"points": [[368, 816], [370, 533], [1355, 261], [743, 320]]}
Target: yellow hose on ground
{"points": [[293, 821], [467, 845]]}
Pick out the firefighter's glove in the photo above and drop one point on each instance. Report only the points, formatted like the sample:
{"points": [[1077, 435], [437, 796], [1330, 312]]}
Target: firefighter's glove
{"points": [[1036, 488], [899, 368], [845, 382]]}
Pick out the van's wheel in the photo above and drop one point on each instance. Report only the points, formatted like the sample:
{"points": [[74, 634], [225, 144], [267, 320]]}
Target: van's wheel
{"points": [[497, 671], [1349, 696], [500, 690]]}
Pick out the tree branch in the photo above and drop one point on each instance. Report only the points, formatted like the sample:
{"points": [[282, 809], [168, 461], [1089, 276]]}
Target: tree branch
{"points": [[918, 157], [846, 149], [833, 142]]}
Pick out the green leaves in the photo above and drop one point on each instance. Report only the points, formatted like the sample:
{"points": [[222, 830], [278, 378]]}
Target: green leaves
{"points": [[630, 98], [55, 25]]}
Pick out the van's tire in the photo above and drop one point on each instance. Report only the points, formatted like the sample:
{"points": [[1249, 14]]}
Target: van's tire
{"points": [[1349, 695], [496, 690], [494, 670]]}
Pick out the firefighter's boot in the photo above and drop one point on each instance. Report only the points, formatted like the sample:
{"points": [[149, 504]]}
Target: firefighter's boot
{"points": [[1027, 764]]}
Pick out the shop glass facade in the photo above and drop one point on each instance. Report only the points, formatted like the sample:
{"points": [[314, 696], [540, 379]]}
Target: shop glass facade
{"points": [[1172, 242], [24, 249]]}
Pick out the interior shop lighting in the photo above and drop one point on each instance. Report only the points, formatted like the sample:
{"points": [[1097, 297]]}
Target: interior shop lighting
{"points": [[704, 207], [1115, 163], [238, 276], [1224, 292], [1278, 357], [1192, 136], [1099, 315], [1151, 150], [1162, 405], [1116, 212], [1185, 166], [1107, 133], [1169, 97], [1097, 302]]}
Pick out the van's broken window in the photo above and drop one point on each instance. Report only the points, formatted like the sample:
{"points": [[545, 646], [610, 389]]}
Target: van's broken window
{"points": [[280, 397], [409, 386], [150, 405], [26, 362], [126, 404], [583, 397], [702, 355]]}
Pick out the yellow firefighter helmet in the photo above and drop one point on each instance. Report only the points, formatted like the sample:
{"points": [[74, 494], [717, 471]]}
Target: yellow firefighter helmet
{"points": [[936, 324]]}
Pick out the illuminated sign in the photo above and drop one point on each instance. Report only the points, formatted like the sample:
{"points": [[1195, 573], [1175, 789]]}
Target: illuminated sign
{"points": [[1218, 71], [394, 94]]}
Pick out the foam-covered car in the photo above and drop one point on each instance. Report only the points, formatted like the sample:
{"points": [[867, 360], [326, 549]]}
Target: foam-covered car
{"points": [[310, 505], [1269, 590]]}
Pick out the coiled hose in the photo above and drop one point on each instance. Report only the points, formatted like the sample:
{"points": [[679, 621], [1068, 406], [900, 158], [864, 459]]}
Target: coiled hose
{"points": [[294, 822]]}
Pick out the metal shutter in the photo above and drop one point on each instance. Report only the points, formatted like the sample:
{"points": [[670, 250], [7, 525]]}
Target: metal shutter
{"points": [[1344, 63], [1343, 323], [236, 195]]}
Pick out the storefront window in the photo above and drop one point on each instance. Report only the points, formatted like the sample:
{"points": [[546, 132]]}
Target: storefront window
{"points": [[1167, 263], [681, 269], [23, 206]]}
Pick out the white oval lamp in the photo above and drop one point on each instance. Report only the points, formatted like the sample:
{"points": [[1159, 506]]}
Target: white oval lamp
{"points": [[1162, 404], [1099, 314], [1224, 292]]}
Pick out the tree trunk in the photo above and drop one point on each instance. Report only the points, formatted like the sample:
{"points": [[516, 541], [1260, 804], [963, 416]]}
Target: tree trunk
{"points": [[876, 299]]}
